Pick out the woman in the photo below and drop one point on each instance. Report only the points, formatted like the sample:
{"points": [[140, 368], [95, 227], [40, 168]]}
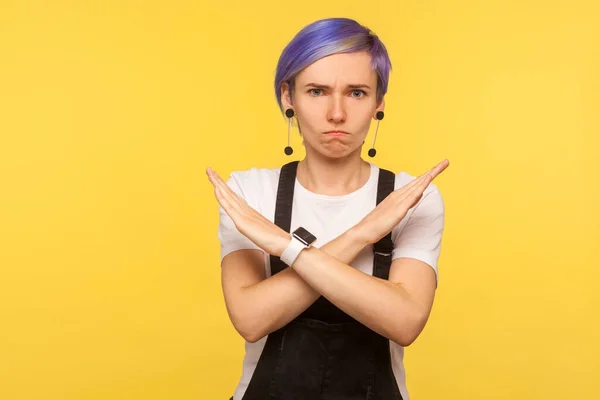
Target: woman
{"points": [[326, 311]]}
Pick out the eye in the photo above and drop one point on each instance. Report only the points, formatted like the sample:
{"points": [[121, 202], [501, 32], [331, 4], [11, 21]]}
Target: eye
{"points": [[357, 94], [312, 92]]}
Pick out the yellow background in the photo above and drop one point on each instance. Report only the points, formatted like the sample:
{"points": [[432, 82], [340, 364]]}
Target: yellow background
{"points": [[110, 111]]}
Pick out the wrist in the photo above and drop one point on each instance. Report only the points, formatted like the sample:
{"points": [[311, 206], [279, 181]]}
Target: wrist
{"points": [[282, 243], [357, 237], [299, 240]]}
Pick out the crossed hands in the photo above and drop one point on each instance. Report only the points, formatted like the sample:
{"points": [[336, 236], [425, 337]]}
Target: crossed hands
{"points": [[273, 240]]}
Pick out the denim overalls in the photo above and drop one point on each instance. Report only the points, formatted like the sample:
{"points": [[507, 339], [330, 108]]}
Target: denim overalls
{"points": [[324, 354]]}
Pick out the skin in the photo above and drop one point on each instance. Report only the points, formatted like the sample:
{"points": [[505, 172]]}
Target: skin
{"points": [[333, 164], [397, 308]]}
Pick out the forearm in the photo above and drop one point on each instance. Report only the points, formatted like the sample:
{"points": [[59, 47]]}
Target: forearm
{"points": [[274, 302], [383, 306]]}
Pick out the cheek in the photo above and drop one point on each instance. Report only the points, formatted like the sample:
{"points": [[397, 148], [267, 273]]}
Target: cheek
{"points": [[361, 117], [367, 120], [310, 116]]}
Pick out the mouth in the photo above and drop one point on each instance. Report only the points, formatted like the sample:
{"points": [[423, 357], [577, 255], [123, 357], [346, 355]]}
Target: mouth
{"points": [[336, 133]]}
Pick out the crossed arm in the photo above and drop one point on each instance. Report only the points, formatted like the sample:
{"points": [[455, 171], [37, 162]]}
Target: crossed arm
{"points": [[397, 309]]}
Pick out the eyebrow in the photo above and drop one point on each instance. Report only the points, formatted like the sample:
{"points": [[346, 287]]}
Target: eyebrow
{"points": [[353, 86]]}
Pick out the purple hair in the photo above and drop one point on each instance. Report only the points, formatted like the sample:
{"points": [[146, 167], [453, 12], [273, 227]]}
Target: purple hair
{"points": [[326, 37]]}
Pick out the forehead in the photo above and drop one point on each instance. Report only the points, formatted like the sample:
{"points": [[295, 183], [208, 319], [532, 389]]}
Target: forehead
{"points": [[345, 68]]}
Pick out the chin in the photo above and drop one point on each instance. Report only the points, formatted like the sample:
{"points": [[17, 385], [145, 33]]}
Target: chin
{"points": [[333, 149], [338, 153]]}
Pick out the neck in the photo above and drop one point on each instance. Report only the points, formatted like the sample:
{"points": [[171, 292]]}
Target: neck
{"points": [[333, 177]]}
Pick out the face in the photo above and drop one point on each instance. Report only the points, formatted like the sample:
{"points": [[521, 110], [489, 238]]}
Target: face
{"points": [[334, 100]]}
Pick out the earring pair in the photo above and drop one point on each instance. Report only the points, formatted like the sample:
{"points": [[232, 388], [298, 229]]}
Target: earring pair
{"points": [[290, 113]]}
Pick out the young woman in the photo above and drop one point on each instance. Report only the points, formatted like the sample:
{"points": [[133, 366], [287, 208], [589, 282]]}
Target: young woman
{"points": [[329, 264]]}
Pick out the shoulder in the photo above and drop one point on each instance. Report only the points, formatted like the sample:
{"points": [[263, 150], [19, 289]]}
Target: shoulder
{"points": [[254, 181], [256, 175]]}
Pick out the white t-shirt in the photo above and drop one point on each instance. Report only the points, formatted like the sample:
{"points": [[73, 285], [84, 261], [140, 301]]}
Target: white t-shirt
{"points": [[418, 235]]}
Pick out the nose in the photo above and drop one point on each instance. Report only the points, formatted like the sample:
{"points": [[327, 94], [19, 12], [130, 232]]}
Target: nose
{"points": [[337, 109]]}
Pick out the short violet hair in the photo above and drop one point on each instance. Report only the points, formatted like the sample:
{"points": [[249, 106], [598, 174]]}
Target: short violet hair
{"points": [[327, 37]]}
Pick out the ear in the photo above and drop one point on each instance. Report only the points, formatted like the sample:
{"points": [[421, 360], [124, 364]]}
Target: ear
{"points": [[286, 96], [380, 106]]}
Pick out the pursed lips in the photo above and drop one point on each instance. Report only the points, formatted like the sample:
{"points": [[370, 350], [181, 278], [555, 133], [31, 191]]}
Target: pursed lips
{"points": [[336, 133]]}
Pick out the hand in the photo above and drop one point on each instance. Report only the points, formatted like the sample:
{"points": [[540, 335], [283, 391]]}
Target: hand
{"points": [[247, 220], [394, 207]]}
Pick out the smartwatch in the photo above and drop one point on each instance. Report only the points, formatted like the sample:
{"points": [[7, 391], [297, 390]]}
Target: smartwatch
{"points": [[301, 239]]}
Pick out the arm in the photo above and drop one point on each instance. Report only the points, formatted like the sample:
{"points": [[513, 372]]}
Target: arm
{"points": [[259, 306], [408, 293], [397, 308]]}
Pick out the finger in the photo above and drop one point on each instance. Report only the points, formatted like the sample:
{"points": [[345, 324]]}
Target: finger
{"points": [[227, 191], [411, 190], [237, 207], [409, 186], [213, 177], [227, 205], [417, 186], [427, 179], [427, 176], [415, 191], [210, 177], [221, 192], [438, 169], [410, 197]]}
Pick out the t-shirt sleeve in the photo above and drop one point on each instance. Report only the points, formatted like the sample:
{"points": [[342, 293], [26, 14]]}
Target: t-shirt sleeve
{"points": [[231, 239], [421, 236]]}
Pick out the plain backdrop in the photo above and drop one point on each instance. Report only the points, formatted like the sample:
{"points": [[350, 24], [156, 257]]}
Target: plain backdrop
{"points": [[110, 112]]}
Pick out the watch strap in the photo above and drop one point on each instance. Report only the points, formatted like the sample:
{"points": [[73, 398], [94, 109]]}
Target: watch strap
{"points": [[292, 251]]}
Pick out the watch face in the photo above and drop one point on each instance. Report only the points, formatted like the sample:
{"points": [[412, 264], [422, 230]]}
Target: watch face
{"points": [[304, 236]]}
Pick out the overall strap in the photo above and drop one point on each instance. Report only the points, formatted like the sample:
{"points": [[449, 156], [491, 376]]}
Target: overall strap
{"points": [[382, 250], [261, 383], [283, 207], [283, 217]]}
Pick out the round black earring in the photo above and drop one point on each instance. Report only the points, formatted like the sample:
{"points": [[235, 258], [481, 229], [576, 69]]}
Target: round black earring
{"points": [[288, 149], [379, 115]]}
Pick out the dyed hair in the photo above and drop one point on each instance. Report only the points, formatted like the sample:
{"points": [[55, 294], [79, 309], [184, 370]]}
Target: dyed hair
{"points": [[327, 37]]}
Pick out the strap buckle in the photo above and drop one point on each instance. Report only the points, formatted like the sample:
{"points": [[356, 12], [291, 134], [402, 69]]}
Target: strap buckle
{"points": [[383, 254]]}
